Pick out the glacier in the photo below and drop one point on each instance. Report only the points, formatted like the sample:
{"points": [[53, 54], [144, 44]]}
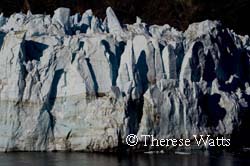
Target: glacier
{"points": [[80, 83]]}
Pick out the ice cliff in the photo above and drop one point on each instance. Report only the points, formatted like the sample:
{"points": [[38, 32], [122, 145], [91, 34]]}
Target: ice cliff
{"points": [[83, 84]]}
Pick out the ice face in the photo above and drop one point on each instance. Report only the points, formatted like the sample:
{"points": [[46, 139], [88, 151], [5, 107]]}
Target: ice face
{"points": [[80, 83]]}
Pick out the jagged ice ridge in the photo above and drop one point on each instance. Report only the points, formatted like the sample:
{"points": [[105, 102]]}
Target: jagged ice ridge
{"points": [[82, 84]]}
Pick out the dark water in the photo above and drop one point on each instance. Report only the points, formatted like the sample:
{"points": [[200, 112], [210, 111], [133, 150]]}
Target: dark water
{"points": [[85, 159]]}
